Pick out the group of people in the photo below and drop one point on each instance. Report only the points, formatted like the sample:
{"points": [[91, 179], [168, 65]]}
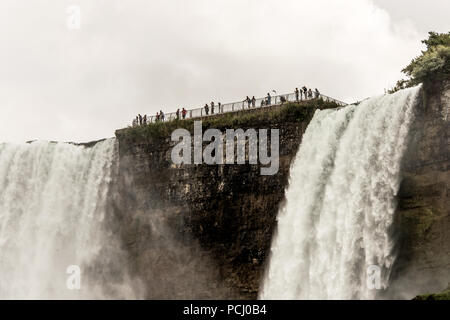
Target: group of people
{"points": [[305, 93], [267, 101], [300, 94], [250, 102], [212, 108], [140, 120], [183, 113]]}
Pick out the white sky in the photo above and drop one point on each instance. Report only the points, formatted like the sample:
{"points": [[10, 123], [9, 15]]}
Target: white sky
{"points": [[140, 56]]}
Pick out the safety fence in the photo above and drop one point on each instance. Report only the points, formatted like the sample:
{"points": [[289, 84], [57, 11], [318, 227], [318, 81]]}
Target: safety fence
{"points": [[241, 105]]}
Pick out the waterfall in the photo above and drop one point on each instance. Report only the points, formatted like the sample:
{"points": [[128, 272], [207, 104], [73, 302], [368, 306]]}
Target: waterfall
{"points": [[336, 224], [53, 213]]}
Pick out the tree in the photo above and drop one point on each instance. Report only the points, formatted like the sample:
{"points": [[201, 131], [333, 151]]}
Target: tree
{"points": [[432, 64]]}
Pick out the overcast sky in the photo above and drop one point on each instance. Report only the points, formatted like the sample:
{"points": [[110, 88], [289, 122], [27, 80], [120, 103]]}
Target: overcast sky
{"points": [[139, 56]]}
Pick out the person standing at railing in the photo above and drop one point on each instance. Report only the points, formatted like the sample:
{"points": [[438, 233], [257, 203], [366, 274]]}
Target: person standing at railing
{"points": [[317, 93], [178, 114], [305, 92], [206, 109], [161, 115], [269, 99], [183, 113], [296, 94], [310, 94], [220, 107], [212, 107], [253, 102], [248, 101], [144, 120], [140, 119]]}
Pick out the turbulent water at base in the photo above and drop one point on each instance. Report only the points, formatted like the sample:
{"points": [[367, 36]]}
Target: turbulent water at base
{"points": [[337, 220], [52, 215]]}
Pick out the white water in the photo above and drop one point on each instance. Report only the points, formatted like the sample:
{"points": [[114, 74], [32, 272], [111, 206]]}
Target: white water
{"points": [[341, 202], [52, 213]]}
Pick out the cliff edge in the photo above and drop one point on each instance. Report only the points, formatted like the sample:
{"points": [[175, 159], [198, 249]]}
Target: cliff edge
{"points": [[204, 231]]}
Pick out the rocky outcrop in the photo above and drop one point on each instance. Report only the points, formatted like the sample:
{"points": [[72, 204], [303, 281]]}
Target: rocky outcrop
{"points": [[219, 218], [204, 231], [423, 216], [444, 295]]}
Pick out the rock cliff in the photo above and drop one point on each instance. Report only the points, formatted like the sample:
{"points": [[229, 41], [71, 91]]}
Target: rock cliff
{"points": [[204, 231], [423, 216], [220, 218]]}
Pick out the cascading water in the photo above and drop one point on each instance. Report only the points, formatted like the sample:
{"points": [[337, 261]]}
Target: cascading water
{"points": [[340, 203], [52, 215]]}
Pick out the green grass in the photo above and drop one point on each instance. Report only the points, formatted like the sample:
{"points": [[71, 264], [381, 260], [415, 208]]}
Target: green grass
{"points": [[445, 295]]}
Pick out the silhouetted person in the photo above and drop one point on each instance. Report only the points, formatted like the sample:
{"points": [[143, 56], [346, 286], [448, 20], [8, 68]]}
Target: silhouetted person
{"points": [[220, 107], [310, 94], [269, 99], [140, 119], [183, 113], [161, 115], [317, 93], [145, 119], [178, 113], [296, 94], [212, 107], [248, 101], [305, 92], [206, 109], [253, 102]]}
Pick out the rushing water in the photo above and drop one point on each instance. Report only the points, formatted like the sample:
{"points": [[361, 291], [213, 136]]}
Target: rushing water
{"points": [[340, 203], [52, 215]]}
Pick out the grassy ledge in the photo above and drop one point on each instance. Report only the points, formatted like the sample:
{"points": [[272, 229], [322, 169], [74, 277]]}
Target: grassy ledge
{"points": [[445, 295], [239, 119]]}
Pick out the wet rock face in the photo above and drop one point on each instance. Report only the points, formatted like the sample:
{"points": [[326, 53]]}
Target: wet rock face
{"points": [[204, 231], [207, 229], [423, 215]]}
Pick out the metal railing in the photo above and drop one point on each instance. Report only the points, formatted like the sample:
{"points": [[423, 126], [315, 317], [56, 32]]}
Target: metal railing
{"points": [[242, 105]]}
